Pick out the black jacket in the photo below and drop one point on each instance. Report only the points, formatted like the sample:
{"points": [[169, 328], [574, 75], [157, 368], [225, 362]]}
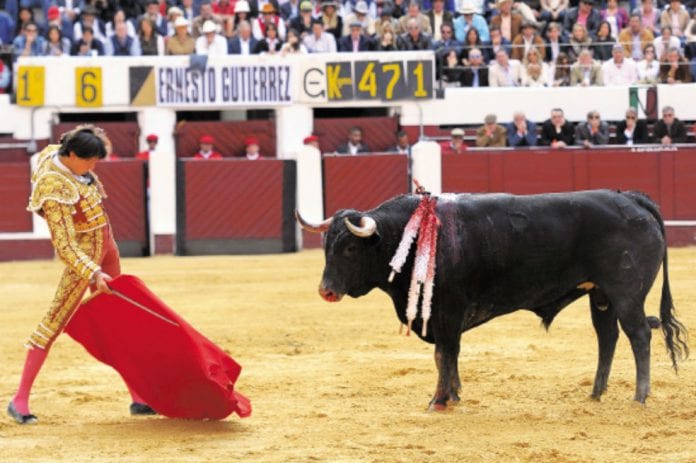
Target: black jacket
{"points": [[677, 131], [548, 133], [468, 77], [640, 133]]}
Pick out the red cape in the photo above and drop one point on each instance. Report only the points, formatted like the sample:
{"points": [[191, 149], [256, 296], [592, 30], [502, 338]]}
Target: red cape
{"points": [[177, 370]]}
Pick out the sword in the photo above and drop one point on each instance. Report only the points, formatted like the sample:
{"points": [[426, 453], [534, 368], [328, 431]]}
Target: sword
{"points": [[142, 307]]}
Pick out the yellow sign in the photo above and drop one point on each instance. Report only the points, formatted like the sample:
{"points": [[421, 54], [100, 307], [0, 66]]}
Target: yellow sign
{"points": [[88, 87], [31, 85]]}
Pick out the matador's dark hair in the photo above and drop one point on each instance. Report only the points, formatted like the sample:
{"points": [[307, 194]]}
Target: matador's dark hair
{"points": [[86, 141]]}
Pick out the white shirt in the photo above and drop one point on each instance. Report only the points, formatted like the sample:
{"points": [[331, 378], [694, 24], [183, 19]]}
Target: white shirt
{"points": [[325, 43], [625, 74], [648, 73], [217, 48]]}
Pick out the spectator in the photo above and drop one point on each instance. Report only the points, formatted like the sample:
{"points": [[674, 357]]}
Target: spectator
{"points": [[472, 40], [554, 10], [526, 40], [402, 144], [649, 16], [242, 12], [225, 10], [210, 42], [5, 77], [121, 44], [205, 14], [289, 10], [438, 17], [635, 38], [6, 28], [355, 144], [579, 41], [359, 15], [152, 12], [561, 71], [64, 25], [456, 143], [674, 69], [268, 16], [665, 42], [244, 42], [119, 17], [302, 23], [293, 45], [414, 12], [452, 72], [476, 74], [271, 43], [151, 43], [619, 70], [585, 14], [386, 19], [151, 141], [592, 132], [648, 67], [586, 71], [447, 40], [531, 12], [504, 72], [56, 44], [469, 18], [252, 151], [88, 18], [173, 13], [603, 42], [508, 21], [616, 16], [311, 140], [29, 42], [332, 21], [556, 132], [355, 41], [496, 42], [207, 150], [555, 44], [490, 134], [181, 43], [388, 41], [632, 131], [320, 41], [675, 16], [669, 129], [521, 131], [534, 72], [24, 17], [88, 45], [413, 38]]}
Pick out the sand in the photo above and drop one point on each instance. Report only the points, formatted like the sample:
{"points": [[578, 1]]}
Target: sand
{"points": [[337, 383]]}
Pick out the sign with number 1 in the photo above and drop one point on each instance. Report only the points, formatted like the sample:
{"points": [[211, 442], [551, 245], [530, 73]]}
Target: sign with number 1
{"points": [[31, 82]]}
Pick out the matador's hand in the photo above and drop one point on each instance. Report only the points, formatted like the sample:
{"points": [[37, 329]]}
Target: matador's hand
{"points": [[101, 280]]}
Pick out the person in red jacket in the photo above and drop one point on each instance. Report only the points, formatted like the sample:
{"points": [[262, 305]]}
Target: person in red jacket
{"points": [[207, 150], [151, 140]]}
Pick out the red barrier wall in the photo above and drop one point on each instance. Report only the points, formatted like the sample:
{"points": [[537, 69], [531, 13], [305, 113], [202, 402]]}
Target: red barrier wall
{"points": [[125, 185], [379, 133], [235, 206], [363, 182], [229, 136], [15, 188]]}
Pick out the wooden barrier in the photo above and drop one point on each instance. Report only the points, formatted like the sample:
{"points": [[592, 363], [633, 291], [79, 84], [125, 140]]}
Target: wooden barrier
{"points": [[15, 188], [235, 206]]}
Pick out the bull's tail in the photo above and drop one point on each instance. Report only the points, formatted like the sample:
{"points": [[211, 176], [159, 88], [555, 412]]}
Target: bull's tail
{"points": [[676, 334]]}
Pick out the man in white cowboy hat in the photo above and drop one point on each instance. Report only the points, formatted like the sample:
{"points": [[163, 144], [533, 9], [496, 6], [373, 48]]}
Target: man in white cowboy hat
{"points": [[173, 13], [205, 14], [210, 42], [468, 19], [359, 14], [181, 43], [268, 14], [414, 12]]}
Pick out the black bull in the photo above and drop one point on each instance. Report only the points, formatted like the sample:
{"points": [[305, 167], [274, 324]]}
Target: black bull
{"points": [[499, 253]]}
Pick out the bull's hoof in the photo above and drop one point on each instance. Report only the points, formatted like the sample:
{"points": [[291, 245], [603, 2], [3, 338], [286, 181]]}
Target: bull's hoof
{"points": [[437, 407], [595, 397]]}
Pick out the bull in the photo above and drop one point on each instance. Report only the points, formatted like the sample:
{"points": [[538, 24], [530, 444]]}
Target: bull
{"points": [[499, 253]]}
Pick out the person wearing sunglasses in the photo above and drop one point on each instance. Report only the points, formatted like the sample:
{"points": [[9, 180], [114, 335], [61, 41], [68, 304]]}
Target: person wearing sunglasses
{"points": [[592, 132], [669, 129], [631, 130], [29, 42]]}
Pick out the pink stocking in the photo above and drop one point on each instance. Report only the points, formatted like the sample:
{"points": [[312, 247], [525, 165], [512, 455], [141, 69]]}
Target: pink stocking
{"points": [[32, 365]]}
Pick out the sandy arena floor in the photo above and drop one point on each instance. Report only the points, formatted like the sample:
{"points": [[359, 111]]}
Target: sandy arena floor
{"points": [[336, 383]]}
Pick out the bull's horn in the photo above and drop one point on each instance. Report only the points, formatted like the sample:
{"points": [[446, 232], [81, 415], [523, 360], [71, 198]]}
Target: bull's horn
{"points": [[367, 227], [321, 227]]}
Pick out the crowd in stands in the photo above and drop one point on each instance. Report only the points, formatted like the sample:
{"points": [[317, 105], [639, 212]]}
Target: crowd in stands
{"points": [[477, 43]]}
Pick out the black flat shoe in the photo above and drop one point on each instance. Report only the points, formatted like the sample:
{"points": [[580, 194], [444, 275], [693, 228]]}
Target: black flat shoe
{"points": [[18, 417], [141, 409]]}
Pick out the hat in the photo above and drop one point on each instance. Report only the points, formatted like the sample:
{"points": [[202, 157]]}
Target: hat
{"points": [[457, 132], [208, 26], [175, 10], [467, 8], [181, 22], [326, 3], [356, 24], [490, 119], [207, 140], [361, 7], [53, 13], [151, 137], [242, 6], [310, 139], [306, 5], [251, 140], [268, 8]]}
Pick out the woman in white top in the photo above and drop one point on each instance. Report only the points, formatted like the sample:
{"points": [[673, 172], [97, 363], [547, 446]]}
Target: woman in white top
{"points": [[534, 72], [119, 16], [665, 42], [648, 67], [293, 45]]}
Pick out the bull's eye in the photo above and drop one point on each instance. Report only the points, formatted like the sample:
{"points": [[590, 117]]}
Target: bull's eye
{"points": [[350, 250]]}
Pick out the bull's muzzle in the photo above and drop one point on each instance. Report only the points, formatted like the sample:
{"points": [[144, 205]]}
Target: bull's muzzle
{"points": [[329, 295]]}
